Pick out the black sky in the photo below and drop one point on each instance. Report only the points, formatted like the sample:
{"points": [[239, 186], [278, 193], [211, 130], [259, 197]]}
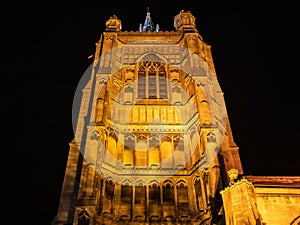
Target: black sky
{"points": [[254, 54]]}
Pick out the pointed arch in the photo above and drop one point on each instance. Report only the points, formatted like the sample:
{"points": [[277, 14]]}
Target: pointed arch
{"points": [[153, 182], [152, 76], [140, 183], [181, 182], [95, 135], [211, 137], [152, 56], [83, 217]]}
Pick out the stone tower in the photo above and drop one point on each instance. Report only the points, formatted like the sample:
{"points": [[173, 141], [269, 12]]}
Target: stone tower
{"points": [[152, 141]]}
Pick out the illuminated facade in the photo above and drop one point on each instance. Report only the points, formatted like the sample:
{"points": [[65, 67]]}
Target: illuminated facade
{"points": [[153, 144]]}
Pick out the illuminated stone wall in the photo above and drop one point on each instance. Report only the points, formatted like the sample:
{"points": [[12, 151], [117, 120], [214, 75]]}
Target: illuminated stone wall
{"points": [[262, 200], [278, 199]]}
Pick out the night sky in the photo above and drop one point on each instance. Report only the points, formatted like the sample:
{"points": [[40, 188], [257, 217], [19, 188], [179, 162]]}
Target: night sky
{"points": [[253, 48]]}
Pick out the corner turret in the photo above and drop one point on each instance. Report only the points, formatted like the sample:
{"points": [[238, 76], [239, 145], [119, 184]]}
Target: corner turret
{"points": [[185, 21], [113, 24]]}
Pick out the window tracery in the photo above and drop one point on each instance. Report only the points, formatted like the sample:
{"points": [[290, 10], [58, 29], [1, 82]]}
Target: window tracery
{"points": [[152, 83]]}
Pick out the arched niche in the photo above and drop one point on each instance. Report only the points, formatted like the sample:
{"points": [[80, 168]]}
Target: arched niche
{"points": [[154, 201], [108, 197], [198, 192], [128, 94], [168, 201], [140, 201], [182, 199], [166, 152], [141, 151], [153, 152], [128, 154], [126, 201]]}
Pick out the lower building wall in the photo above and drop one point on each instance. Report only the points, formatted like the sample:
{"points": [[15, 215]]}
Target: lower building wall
{"points": [[278, 199], [278, 205], [262, 200], [239, 204]]}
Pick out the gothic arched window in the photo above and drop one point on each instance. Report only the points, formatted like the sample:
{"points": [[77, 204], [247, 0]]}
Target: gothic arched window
{"points": [[162, 82], [152, 83], [142, 82]]}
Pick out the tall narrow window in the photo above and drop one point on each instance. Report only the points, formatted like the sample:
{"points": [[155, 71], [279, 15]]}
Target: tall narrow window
{"points": [[162, 82], [142, 82], [152, 82]]}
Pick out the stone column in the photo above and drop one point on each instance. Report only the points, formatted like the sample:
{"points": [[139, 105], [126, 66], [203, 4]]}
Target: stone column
{"points": [[147, 203]]}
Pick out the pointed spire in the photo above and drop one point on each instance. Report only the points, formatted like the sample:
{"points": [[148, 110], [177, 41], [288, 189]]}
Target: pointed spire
{"points": [[148, 24]]}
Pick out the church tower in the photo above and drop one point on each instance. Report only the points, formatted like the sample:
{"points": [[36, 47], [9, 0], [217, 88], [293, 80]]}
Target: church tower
{"points": [[153, 142]]}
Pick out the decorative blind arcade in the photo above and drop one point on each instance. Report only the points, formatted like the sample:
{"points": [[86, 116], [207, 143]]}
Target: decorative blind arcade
{"points": [[152, 81]]}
